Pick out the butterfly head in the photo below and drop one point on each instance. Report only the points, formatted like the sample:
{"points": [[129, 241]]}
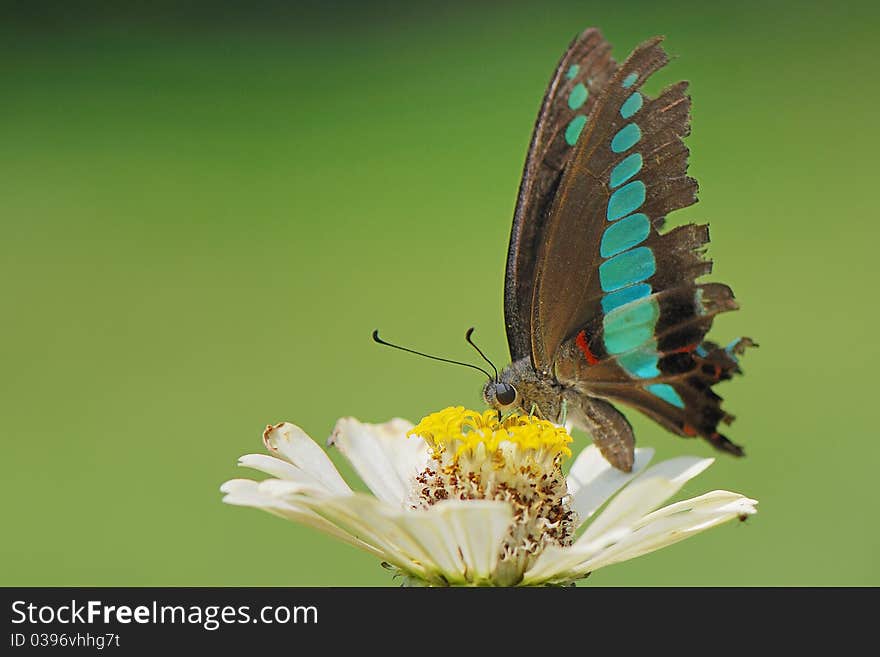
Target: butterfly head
{"points": [[519, 387]]}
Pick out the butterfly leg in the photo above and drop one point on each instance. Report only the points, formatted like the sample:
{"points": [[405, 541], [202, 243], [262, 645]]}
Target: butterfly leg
{"points": [[609, 428], [535, 411]]}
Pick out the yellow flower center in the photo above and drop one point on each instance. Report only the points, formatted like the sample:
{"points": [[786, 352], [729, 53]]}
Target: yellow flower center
{"points": [[517, 459], [467, 432]]}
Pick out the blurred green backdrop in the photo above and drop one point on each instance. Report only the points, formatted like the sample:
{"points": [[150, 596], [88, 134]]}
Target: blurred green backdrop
{"points": [[206, 210]]}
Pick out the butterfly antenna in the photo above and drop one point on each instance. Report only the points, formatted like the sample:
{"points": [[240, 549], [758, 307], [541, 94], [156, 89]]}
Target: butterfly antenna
{"points": [[467, 336], [376, 338]]}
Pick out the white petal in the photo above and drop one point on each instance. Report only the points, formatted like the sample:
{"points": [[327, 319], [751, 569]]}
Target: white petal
{"points": [[648, 491], [383, 456], [244, 492], [673, 524], [652, 532], [467, 533], [271, 466], [716, 500], [294, 444], [372, 521], [282, 488], [454, 541], [592, 480], [285, 471], [562, 564]]}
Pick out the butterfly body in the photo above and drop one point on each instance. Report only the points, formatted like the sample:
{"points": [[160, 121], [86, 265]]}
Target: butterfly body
{"points": [[601, 307]]}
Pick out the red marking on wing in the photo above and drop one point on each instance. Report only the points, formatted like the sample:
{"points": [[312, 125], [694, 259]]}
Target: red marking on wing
{"points": [[688, 430], [684, 350], [581, 341]]}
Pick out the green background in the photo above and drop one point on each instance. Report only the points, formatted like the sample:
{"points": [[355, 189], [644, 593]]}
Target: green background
{"points": [[206, 211]]}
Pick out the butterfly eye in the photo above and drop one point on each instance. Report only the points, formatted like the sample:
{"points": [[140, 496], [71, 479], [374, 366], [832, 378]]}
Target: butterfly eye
{"points": [[505, 393]]}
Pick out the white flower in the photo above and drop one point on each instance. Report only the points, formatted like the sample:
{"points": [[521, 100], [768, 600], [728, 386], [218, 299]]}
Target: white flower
{"points": [[466, 499]]}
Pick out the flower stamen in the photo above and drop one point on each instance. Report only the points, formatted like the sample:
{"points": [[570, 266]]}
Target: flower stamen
{"points": [[466, 431]]}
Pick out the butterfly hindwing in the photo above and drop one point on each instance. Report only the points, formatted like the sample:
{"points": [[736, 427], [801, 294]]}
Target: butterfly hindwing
{"points": [[580, 76], [670, 376]]}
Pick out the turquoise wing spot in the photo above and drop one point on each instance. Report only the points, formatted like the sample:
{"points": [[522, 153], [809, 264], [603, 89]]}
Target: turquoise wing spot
{"points": [[626, 200], [636, 315], [698, 302], [573, 70], [667, 393], [624, 234], [574, 129], [731, 349], [701, 351], [627, 268], [641, 364], [624, 296], [622, 341], [627, 137], [630, 326], [578, 96], [627, 168], [630, 312], [632, 105]]}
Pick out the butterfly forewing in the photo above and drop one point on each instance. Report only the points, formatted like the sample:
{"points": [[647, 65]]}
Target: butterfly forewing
{"points": [[622, 166], [582, 73]]}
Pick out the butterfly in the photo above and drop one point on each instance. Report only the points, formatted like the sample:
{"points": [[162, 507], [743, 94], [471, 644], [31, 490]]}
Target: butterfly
{"points": [[601, 308]]}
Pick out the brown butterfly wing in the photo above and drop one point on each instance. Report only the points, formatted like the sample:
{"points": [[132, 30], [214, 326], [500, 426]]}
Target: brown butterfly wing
{"points": [[568, 289], [617, 310], [580, 76]]}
